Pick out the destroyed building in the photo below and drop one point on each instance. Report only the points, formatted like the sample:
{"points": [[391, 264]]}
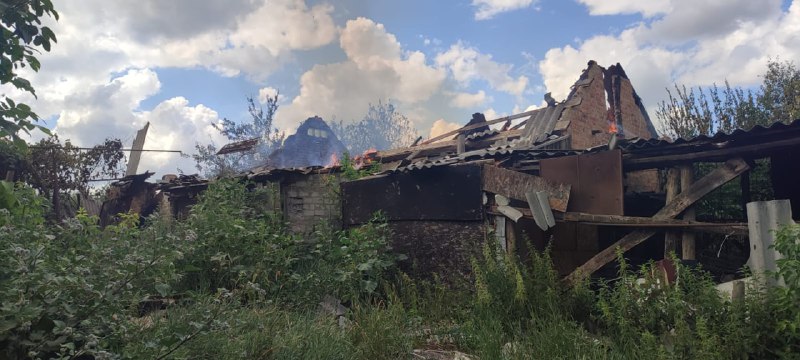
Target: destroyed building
{"points": [[314, 144], [584, 176]]}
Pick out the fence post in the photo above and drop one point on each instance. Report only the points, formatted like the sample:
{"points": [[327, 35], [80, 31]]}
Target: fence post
{"points": [[763, 219]]}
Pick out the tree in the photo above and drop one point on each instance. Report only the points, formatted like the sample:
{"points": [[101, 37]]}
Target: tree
{"points": [[261, 128], [704, 111], [53, 167], [383, 127], [780, 91], [22, 36]]}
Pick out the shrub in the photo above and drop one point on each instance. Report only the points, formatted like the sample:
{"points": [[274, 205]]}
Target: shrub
{"points": [[66, 287]]}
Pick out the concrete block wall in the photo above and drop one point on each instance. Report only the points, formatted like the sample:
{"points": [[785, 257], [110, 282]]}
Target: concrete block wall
{"points": [[310, 200]]}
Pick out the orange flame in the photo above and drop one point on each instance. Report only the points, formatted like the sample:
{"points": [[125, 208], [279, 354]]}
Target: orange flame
{"points": [[612, 127], [334, 161]]}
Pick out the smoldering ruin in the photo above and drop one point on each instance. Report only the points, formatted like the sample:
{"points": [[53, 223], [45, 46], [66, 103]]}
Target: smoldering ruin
{"points": [[586, 176]]}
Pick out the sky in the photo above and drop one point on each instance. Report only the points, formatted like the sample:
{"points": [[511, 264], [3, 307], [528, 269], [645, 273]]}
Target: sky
{"points": [[183, 65]]}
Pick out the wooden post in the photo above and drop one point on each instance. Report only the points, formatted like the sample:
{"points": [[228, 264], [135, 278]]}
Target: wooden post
{"points": [[511, 237], [713, 180], [671, 237], [764, 218], [460, 143], [688, 242], [500, 230], [745, 187]]}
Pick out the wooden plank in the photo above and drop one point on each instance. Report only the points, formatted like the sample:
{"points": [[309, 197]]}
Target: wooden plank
{"points": [[475, 126], [671, 237], [688, 238], [643, 222], [719, 176], [514, 185], [444, 146], [511, 237]]}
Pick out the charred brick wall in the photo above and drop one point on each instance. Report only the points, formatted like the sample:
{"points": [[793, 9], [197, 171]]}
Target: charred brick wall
{"points": [[309, 200]]}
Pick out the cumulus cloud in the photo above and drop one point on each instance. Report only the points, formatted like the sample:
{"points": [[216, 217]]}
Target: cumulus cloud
{"points": [[467, 64], [269, 92], [685, 45], [487, 9], [442, 126], [110, 110], [376, 68], [468, 100], [647, 8]]}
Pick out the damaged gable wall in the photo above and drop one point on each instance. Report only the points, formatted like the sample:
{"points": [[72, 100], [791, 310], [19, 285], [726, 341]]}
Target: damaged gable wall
{"points": [[602, 92]]}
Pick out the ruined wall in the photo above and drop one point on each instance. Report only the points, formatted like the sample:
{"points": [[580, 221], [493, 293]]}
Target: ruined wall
{"points": [[634, 123], [438, 247], [588, 123], [309, 200], [601, 92]]}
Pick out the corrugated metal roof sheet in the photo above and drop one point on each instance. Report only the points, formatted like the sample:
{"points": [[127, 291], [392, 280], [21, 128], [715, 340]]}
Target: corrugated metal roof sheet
{"points": [[644, 144]]}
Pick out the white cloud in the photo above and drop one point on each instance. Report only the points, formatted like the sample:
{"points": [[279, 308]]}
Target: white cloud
{"points": [[647, 8], [487, 9], [467, 64], [468, 100], [268, 93], [687, 46], [442, 126], [110, 110], [376, 68]]}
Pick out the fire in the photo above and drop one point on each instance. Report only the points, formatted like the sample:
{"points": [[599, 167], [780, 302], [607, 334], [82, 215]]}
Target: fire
{"points": [[334, 160], [612, 127]]}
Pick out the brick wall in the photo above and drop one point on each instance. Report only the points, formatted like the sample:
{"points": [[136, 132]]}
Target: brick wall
{"points": [[634, 123], [589, 121], [591, 114], [309, 200]]}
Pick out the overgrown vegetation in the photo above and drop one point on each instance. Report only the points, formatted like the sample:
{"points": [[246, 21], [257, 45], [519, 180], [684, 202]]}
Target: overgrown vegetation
{"points": [[231, 282], [689, 112]]}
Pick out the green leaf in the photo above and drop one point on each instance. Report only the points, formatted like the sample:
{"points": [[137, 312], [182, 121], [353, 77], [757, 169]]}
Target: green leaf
{"points": [[163, 289]]}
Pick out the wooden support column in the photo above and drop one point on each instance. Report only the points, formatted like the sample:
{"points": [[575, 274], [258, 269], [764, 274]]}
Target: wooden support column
{"points": [[671, 237], [500, 230], [461, 143], [745, 187], [721, 175], [688, 241], [511, 237]]}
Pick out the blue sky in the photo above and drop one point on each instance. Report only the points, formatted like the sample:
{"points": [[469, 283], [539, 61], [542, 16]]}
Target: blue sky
{"points": [[185, 64]]}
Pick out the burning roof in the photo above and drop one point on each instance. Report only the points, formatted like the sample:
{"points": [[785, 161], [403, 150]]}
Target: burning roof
{"points": [[314, 144]]}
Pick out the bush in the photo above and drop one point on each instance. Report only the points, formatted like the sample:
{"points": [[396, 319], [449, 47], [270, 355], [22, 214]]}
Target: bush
{"points": [[66, 287]]}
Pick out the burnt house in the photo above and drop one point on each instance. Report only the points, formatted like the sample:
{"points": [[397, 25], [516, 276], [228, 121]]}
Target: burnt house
{"points": [[314, 144], [585, 175]]}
